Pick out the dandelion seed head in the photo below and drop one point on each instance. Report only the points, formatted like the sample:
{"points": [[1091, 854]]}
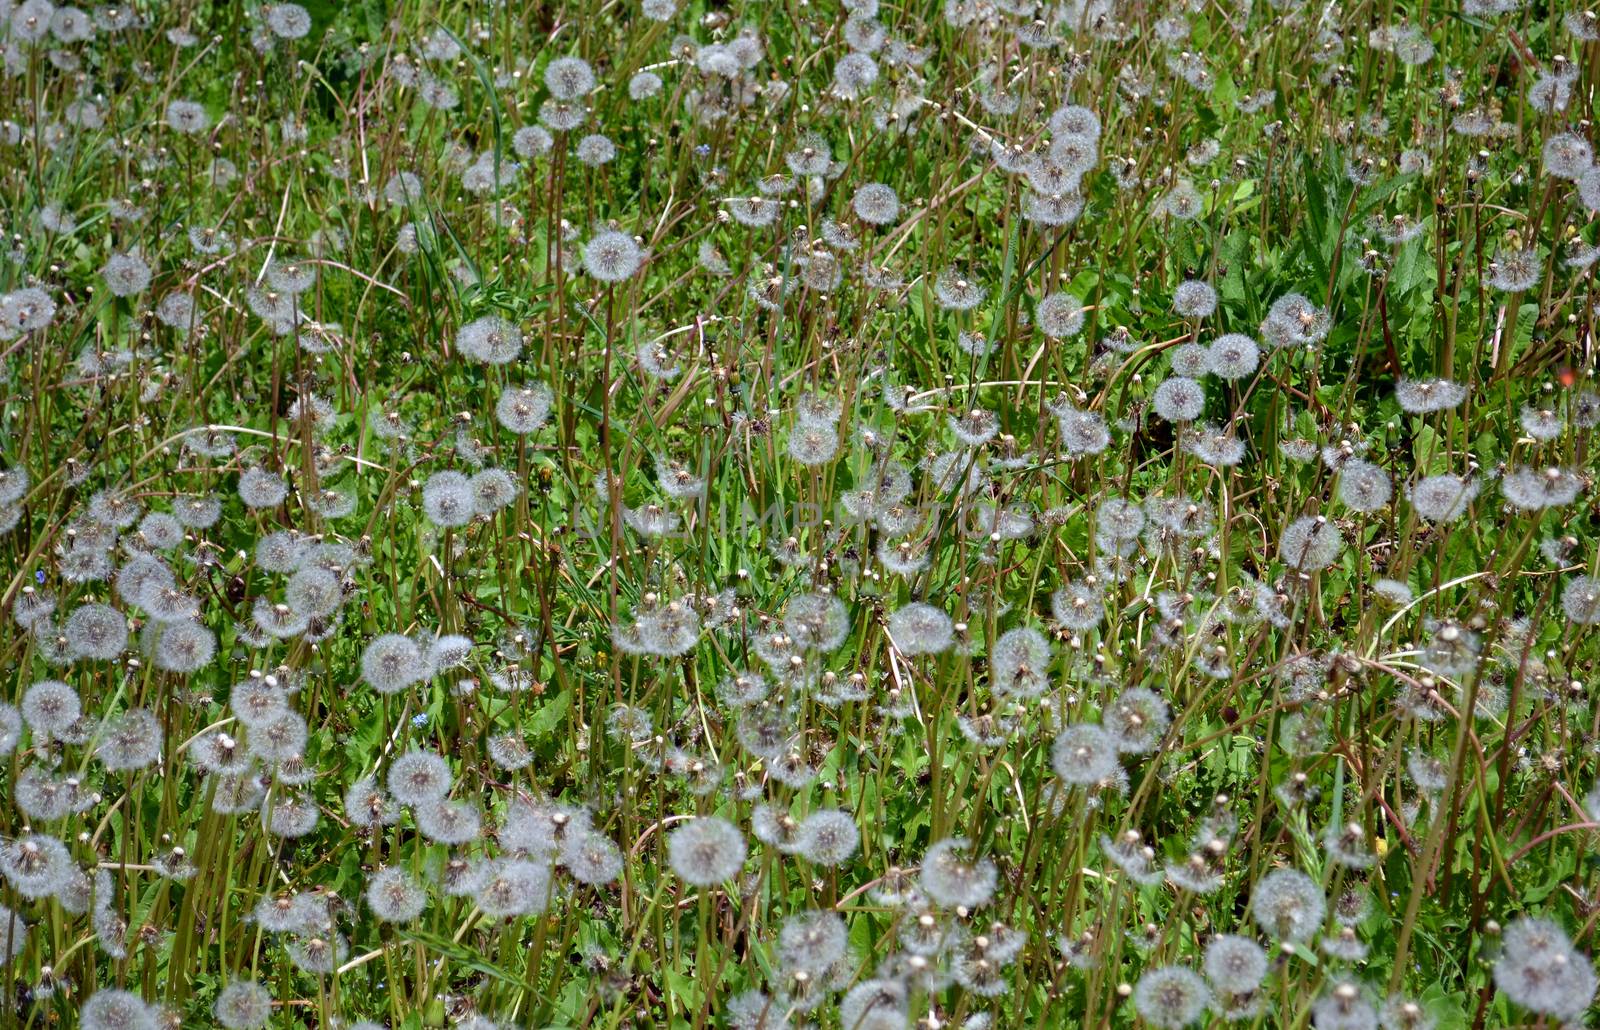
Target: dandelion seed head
{"points": [[489, 340], [1179, 399], [1084, 754], [1234, 964], [243, 1005], [1288, 905], [920, 628], [828, 837], [612, 256], [394, 895], [1442, 498], [706, 851], [287, 20], [876, 204], [1194, 299], [1170, 996], [591, 857], [126, 274], [392, 662], [569, 78], [96, 631], [1310, 543], [1059, 316], [113, 1009]]}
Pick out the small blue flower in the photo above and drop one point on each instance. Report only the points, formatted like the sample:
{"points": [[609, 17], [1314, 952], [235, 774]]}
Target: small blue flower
{"points": [[702, 150], [38, 576], [420, 719]]}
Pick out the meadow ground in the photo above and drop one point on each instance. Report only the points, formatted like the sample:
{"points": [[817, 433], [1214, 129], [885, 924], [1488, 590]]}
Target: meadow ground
{"points": [[633, 513]]}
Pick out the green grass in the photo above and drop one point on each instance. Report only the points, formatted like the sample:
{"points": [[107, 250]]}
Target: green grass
{"points": [[1428, 684]]}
